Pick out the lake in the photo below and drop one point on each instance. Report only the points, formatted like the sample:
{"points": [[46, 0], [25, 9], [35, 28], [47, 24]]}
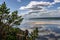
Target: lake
{"points": [[47, 28]]}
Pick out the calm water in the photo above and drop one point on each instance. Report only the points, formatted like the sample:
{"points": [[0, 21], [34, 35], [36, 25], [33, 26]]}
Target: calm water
{"points": [[27, 23], [53, 27], [47, 25]]}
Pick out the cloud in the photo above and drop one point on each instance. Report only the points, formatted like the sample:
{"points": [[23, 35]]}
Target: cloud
{"points": [[56, 1], [58, 8], [38, 11], [19, 0], [40, 7], [22, 8], [34, 5], [51, 13], [44, 13], [34, 11]]}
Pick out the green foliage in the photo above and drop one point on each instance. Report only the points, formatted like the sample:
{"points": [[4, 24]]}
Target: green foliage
{"points": [[7, 21], [11, 37], [34, 34], [4, 9]]}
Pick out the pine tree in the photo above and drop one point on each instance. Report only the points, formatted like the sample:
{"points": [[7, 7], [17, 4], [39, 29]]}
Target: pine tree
{"points": [[7, 21], [4, 11], [34, 34]]}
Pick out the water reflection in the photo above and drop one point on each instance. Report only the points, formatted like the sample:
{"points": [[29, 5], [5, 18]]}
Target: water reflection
{"points": [[48, 29]]}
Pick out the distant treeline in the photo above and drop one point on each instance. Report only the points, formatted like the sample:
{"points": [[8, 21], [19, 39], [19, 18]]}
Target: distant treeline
{"points": [[56, 18]]}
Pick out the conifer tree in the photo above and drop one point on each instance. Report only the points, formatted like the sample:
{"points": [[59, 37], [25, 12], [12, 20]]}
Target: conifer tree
{"points": [[34, 34], [7, 21]]}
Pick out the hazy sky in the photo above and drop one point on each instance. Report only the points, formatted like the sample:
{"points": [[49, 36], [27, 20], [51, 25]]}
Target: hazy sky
{"points": [[33, 6]]}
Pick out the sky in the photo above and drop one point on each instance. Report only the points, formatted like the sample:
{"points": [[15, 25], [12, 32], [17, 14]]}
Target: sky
{"points": [[45, 7]]}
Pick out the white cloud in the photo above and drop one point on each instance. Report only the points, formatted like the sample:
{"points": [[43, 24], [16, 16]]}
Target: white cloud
{"points": [[39, 7], [52, 13], [36, 3], [45, 13], [32, 4], [22, 8], [58, 8], [56, 1], [19, 0]]}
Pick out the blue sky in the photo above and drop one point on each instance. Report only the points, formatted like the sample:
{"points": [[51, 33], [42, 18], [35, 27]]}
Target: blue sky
{"points": [[26, 6]]}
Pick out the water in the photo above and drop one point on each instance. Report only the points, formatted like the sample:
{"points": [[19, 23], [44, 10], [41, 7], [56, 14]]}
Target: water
{"points": [[46, 27], [54, 27]]}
